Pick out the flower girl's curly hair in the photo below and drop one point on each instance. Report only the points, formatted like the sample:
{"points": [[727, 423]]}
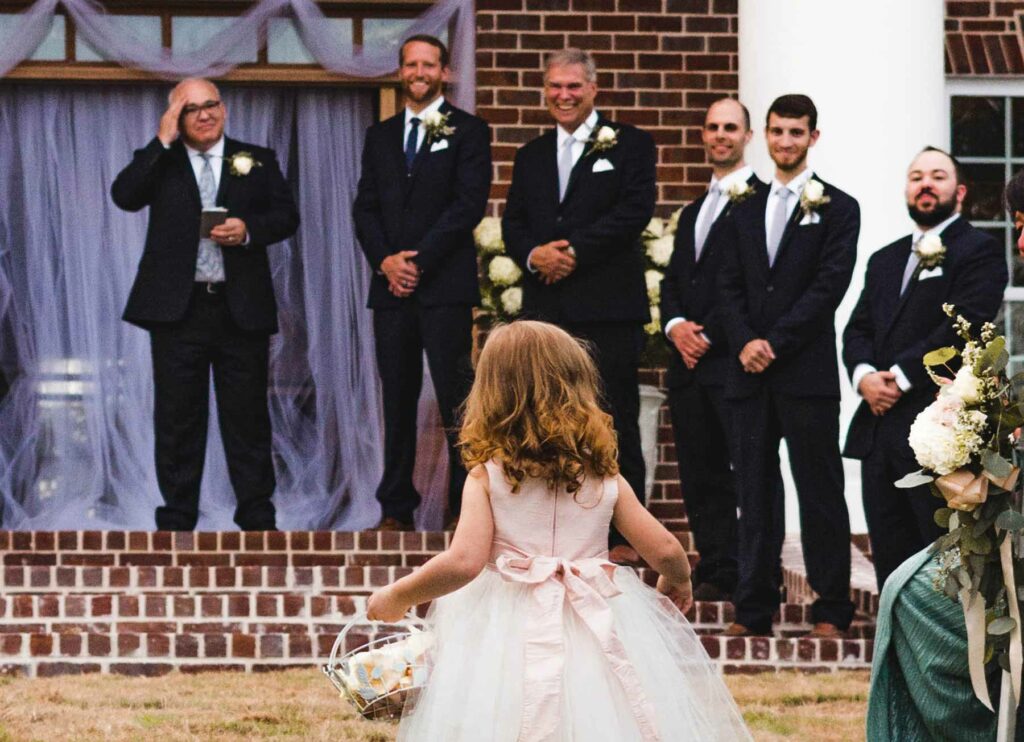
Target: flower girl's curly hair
{"points": [[534, 407]]}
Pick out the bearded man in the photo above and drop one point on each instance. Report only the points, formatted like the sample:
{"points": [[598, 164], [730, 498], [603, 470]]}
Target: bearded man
{"points": [[897, 320]]}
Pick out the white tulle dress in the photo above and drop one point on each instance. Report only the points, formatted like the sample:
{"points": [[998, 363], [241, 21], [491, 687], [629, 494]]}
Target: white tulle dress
{"points": [[553, 643]]}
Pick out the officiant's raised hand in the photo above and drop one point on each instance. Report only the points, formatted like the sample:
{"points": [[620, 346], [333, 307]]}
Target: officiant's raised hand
{"points": [[168, 131]]}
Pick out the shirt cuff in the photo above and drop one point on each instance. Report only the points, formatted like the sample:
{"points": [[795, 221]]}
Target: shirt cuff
{"points": [[862, 370], [672, 323], [901, 378], [529, 263]]}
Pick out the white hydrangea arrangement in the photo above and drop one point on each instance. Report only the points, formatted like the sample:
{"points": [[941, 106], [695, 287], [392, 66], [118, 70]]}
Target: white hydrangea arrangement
{"points": [[500, 278]]}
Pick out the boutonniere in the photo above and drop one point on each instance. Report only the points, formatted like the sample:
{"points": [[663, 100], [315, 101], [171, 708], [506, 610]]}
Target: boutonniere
{"points": [[436, 126], [604, 139], [813, 197], [930, 251], [242, 163], [739, 192]]}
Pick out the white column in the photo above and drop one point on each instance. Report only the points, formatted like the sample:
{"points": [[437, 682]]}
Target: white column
{"points": [[874, 69]]}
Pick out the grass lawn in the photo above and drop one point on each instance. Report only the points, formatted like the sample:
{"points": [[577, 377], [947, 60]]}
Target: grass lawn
{"points": [[302, 705]]}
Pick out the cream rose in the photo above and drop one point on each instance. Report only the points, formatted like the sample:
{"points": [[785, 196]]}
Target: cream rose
{"points": [[503, 271], [512, 300], [966, 386], [660, 250], [433, 119], [606, 135], [813, 190], [488, 236], [242, 164], [930, 246]]}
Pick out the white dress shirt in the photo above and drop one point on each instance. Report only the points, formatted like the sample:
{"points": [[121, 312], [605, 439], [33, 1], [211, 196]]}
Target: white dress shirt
{"points": [[409, 116], [216, 152], [863, 369], [796, 188], [728, 181], [580, 138]]}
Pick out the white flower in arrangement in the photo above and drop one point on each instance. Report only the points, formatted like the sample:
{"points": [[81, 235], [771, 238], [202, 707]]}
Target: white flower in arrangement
{"points": [[660, 250], [503, 271], [242, 163], [653, 280], [654, 326], [966, 386], [673, 221], [813, 196], [512, 300], [488, 236], [945, 435], [930, 251], [436, 126], [654, 229]]}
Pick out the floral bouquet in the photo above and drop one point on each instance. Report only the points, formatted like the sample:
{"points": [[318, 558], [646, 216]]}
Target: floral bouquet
{"points": [[500, 278], [965, 442], [380, 677], [658, 241]]}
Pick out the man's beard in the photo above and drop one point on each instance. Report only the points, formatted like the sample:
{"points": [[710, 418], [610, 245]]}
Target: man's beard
{"points": [[433, 90], [938, 214], [795, 165]]}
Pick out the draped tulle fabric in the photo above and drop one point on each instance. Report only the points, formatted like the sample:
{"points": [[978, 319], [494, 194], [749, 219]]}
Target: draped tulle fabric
{"points": [[552, 643], [76, 440], [215, 57]]}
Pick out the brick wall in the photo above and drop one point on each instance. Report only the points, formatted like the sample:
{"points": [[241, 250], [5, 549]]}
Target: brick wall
{"points": [[983, 37], [660, 62]]}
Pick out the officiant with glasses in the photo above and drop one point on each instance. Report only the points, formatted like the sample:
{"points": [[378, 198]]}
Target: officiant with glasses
{"points": [[203, 291]]}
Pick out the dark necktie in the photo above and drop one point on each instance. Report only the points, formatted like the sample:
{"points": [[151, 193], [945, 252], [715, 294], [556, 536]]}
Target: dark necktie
{"points": [[410, 143]]}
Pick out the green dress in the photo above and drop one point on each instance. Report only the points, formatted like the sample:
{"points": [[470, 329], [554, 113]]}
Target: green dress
{"points": [[920, 683]]}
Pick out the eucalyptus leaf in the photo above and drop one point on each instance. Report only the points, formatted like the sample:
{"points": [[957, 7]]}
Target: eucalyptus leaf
{"points": [[942, 517], [954, 521], [940, 356], [1001, 625], [995, 464], [914, 479], [952, 587], [1010, 520], [989, 359]]}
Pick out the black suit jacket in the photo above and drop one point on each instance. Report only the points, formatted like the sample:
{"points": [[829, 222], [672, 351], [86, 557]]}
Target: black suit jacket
{"points": [[690, 290], [163, 180], [791, 304], [432, 209], [602, 216], [887, 328]]}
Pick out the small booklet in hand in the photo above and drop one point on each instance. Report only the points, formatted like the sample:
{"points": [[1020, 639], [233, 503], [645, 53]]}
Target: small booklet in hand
{"points": [[211, 218]]}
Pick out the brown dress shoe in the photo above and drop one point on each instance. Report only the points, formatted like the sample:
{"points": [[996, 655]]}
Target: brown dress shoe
{"points": [[624, 555], [738, 629], [825, 630], [393, 524]]}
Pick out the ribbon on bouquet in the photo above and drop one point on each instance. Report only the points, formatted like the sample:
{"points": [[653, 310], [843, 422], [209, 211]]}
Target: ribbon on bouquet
{"points": [[965, 490]]}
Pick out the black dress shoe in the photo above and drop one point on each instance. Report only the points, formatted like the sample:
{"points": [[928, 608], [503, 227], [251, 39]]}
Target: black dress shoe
{"points": [[393, 524]]}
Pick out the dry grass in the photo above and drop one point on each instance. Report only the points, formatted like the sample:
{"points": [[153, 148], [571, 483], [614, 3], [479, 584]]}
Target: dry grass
{"points": [[301, 705]]}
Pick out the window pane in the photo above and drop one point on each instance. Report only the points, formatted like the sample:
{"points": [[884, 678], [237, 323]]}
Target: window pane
{"points": [[978, 126], [389, 32], [984, 192], [52, 47], [191, 33], [284, 45], [144, 28]]}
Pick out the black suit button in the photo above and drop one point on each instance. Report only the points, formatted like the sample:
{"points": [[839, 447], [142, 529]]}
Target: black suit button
{"points": [[558, 219], [769, 288], [693, 281]]}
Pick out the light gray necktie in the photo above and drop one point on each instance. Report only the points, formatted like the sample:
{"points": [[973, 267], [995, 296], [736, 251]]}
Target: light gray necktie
{"points": [[710, 212], [210, 262], [565, 164], [779, 220], [912, 263]]}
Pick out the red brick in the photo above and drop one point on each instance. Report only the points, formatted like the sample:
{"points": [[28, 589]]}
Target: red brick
{"points": [[127, 605], [101, 605], [156, 606], [98, 645], [141, 669], [10, 644], [215, 645], [243, 645], [277, 541], [968, 8], [239, 605], [54, 669], [158, 645], [75, 606], [211, 606], [663, 24], [40, 645], [128, 644], [70, 645], [517, 22], [565, 22], [271, 646]]}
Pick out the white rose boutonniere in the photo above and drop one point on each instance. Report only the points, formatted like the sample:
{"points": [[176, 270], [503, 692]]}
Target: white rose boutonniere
{"points": [[813, 197], [930, 251], [242, 163], [436, 126], [604, 139], [739, 192]]}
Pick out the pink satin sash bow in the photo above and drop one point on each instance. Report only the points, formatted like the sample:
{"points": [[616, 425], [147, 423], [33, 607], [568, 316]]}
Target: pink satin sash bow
{"points": [[587, 583]]}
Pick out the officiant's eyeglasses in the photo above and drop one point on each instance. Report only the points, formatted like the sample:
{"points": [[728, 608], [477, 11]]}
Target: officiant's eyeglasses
{"points": [[194, 110]]}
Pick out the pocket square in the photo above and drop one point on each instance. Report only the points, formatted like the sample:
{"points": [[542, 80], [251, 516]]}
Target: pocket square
{"points": [[602, 166], [439, 145], [812, 218], [930, 273]]}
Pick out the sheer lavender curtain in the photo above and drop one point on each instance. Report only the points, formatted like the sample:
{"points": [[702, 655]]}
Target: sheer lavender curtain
{"points": [[214, 58], [76, 446]]}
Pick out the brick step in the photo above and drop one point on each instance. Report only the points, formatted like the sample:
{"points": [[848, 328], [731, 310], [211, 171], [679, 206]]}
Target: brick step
{"points": [[157, 653]]}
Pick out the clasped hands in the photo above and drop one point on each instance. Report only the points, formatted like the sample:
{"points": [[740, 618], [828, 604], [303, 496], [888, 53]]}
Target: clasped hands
{"points": [[756, 356], [880, 390], [402, 273], [689, 340], [553, 261]]}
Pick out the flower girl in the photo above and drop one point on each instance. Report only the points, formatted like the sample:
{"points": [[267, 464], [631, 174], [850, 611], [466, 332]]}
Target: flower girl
{"points": [[538, 636]]}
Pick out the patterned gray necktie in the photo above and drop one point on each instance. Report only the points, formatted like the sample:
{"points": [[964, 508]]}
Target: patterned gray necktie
{"points": [[704, 227], [912, 262], [782, 194], [565, 165], [210, 262]]}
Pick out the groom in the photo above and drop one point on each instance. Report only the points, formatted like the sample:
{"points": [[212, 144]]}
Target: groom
{"points": [[897, 320], [793, 250]]}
